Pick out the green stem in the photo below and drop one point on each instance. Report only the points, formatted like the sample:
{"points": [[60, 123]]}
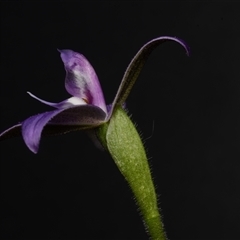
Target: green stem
{"points": [[123, 142]]}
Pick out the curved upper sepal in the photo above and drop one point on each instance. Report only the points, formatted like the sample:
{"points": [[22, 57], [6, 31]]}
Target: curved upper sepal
{"points": [[135, 66]]}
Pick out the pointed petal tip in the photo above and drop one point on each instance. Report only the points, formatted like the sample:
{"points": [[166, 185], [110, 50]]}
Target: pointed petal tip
{"points": [[30, 94], [185, 45], [56, 105], [33, 148], [66, 55], [175, 39], [61, 50], [14, 131]]}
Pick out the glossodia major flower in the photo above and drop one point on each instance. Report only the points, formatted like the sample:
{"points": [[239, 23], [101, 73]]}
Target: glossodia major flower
{"points": [[86, 108]]}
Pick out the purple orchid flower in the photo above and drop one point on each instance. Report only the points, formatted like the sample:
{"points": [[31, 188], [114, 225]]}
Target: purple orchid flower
{"points": [[86, 109]]}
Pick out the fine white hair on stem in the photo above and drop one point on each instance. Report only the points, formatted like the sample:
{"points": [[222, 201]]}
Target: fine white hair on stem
{"points": [[153, 125]]}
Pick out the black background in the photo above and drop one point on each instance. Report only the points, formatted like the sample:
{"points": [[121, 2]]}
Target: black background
{"points": [[70, 189]]}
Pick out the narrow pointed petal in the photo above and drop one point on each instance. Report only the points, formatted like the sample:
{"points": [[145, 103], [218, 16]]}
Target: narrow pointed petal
{"points": [[16, 130], [11, 132], [73, 101], [135, 66], [85, 116], [81, 80]]}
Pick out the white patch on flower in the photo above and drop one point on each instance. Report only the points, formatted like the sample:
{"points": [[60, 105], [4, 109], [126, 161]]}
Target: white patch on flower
{"points": [[76, 101]]}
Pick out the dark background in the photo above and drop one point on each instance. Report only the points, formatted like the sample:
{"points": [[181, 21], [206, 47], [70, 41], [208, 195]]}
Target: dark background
{"points": [[70, 189]]}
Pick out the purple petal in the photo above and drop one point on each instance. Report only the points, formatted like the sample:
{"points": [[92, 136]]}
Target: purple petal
{"points": [[135, 66], [81, 80], [85, 116], [70, 102]]}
